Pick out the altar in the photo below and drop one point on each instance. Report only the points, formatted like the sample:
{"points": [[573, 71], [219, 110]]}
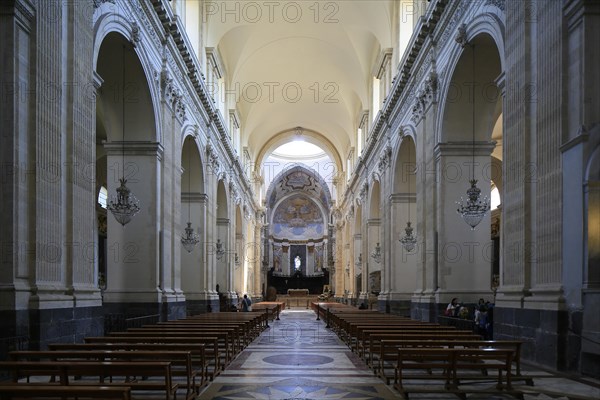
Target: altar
{"points": [[297, 292]]}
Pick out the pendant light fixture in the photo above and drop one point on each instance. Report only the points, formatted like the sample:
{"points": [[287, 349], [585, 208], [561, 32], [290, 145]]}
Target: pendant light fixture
{"points": [[475, 208], [190, 239], [125, 205]]}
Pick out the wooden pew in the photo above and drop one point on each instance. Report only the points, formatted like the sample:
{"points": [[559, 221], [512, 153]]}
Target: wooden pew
{"points": [[231, 336], [455, 368], [181, 361], [385, 345], [25, 391], [362, 333], [224, 337], [213, 353], [388, 349], [68, 371], [197, 350]]}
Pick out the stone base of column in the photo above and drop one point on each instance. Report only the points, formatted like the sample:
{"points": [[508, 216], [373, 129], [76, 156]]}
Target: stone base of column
{"points": [[590, 348], [35, 329], [130, 309], [202, 302], [173, 310], [545, 334], [423, 307]]}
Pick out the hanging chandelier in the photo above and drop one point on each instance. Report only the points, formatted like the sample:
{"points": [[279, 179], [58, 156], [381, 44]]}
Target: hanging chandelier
{"points": [[475, 208], [376, 254], [190, 239], [220, 251], [125, 205], [409, 241]]}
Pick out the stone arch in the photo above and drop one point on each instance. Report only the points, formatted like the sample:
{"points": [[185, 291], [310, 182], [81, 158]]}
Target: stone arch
{"points": [[403, 271], [457, 96], [313, 181], [222, 236], [124, 80], [115, 24], [190, 132], [308, 135], [127, 147], [194, 282], [464, 153]]}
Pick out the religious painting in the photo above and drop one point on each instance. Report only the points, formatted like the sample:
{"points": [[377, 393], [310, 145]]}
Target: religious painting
{"points": [[319, 257], [277, 258], [298, 218]]}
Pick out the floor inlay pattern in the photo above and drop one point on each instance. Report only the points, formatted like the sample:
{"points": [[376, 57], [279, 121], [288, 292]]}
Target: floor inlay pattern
{"points": [[298, 358]]}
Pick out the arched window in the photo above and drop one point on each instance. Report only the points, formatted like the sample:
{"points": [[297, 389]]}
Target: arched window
{"points": [[494, 198], [102, 197]]}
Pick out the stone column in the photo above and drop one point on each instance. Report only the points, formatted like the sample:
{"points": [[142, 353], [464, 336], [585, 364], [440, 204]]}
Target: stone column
{"points": [[133, 267], [285, 258], [464, 254], [404, 273], [194, 279], [310, 258]]}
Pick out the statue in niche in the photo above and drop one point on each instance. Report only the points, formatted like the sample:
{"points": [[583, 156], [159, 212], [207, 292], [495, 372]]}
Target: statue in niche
{"points": [[297, 263]]}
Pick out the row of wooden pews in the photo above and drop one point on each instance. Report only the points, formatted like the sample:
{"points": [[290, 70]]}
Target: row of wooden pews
{"points": [[409, 352], [159, 358]]}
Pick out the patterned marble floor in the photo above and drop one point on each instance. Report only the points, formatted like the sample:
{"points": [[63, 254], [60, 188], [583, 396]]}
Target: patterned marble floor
{"points": [[298, 358]]}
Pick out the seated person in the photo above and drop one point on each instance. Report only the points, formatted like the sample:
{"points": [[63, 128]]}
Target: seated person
{"points": [[362, 306], [452, 308]]}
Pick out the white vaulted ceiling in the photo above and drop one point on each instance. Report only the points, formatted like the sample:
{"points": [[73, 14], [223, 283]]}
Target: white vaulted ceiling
{"points": [[333, 51]]}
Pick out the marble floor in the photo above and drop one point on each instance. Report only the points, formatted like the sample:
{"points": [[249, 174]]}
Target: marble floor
{"points": [[299, 358]]}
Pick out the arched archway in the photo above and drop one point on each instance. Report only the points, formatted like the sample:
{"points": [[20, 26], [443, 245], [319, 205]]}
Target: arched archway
{"points": [[222, 251], [405, 278], [194, 279], [357, 261], [471, 109], [374, 262], [240, 276], [126, 147]]}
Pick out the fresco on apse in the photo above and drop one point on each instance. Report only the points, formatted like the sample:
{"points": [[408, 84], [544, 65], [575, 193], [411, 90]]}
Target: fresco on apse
{"points": [[297, 218], [301, 179]]}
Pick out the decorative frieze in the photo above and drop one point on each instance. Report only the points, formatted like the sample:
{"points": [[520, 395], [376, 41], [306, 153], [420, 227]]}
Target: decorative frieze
{"points": [[140, 14], [456, 17]]}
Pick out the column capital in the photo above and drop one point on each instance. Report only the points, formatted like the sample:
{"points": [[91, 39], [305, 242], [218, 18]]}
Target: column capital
{"points": [[466, 148], [134, 148]]}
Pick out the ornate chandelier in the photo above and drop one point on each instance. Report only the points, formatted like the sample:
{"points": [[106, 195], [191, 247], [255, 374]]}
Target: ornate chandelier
{"points": [[220, 251], [376, 254], [475, 208], [408, 240], [190, 239], [125, 205]]}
